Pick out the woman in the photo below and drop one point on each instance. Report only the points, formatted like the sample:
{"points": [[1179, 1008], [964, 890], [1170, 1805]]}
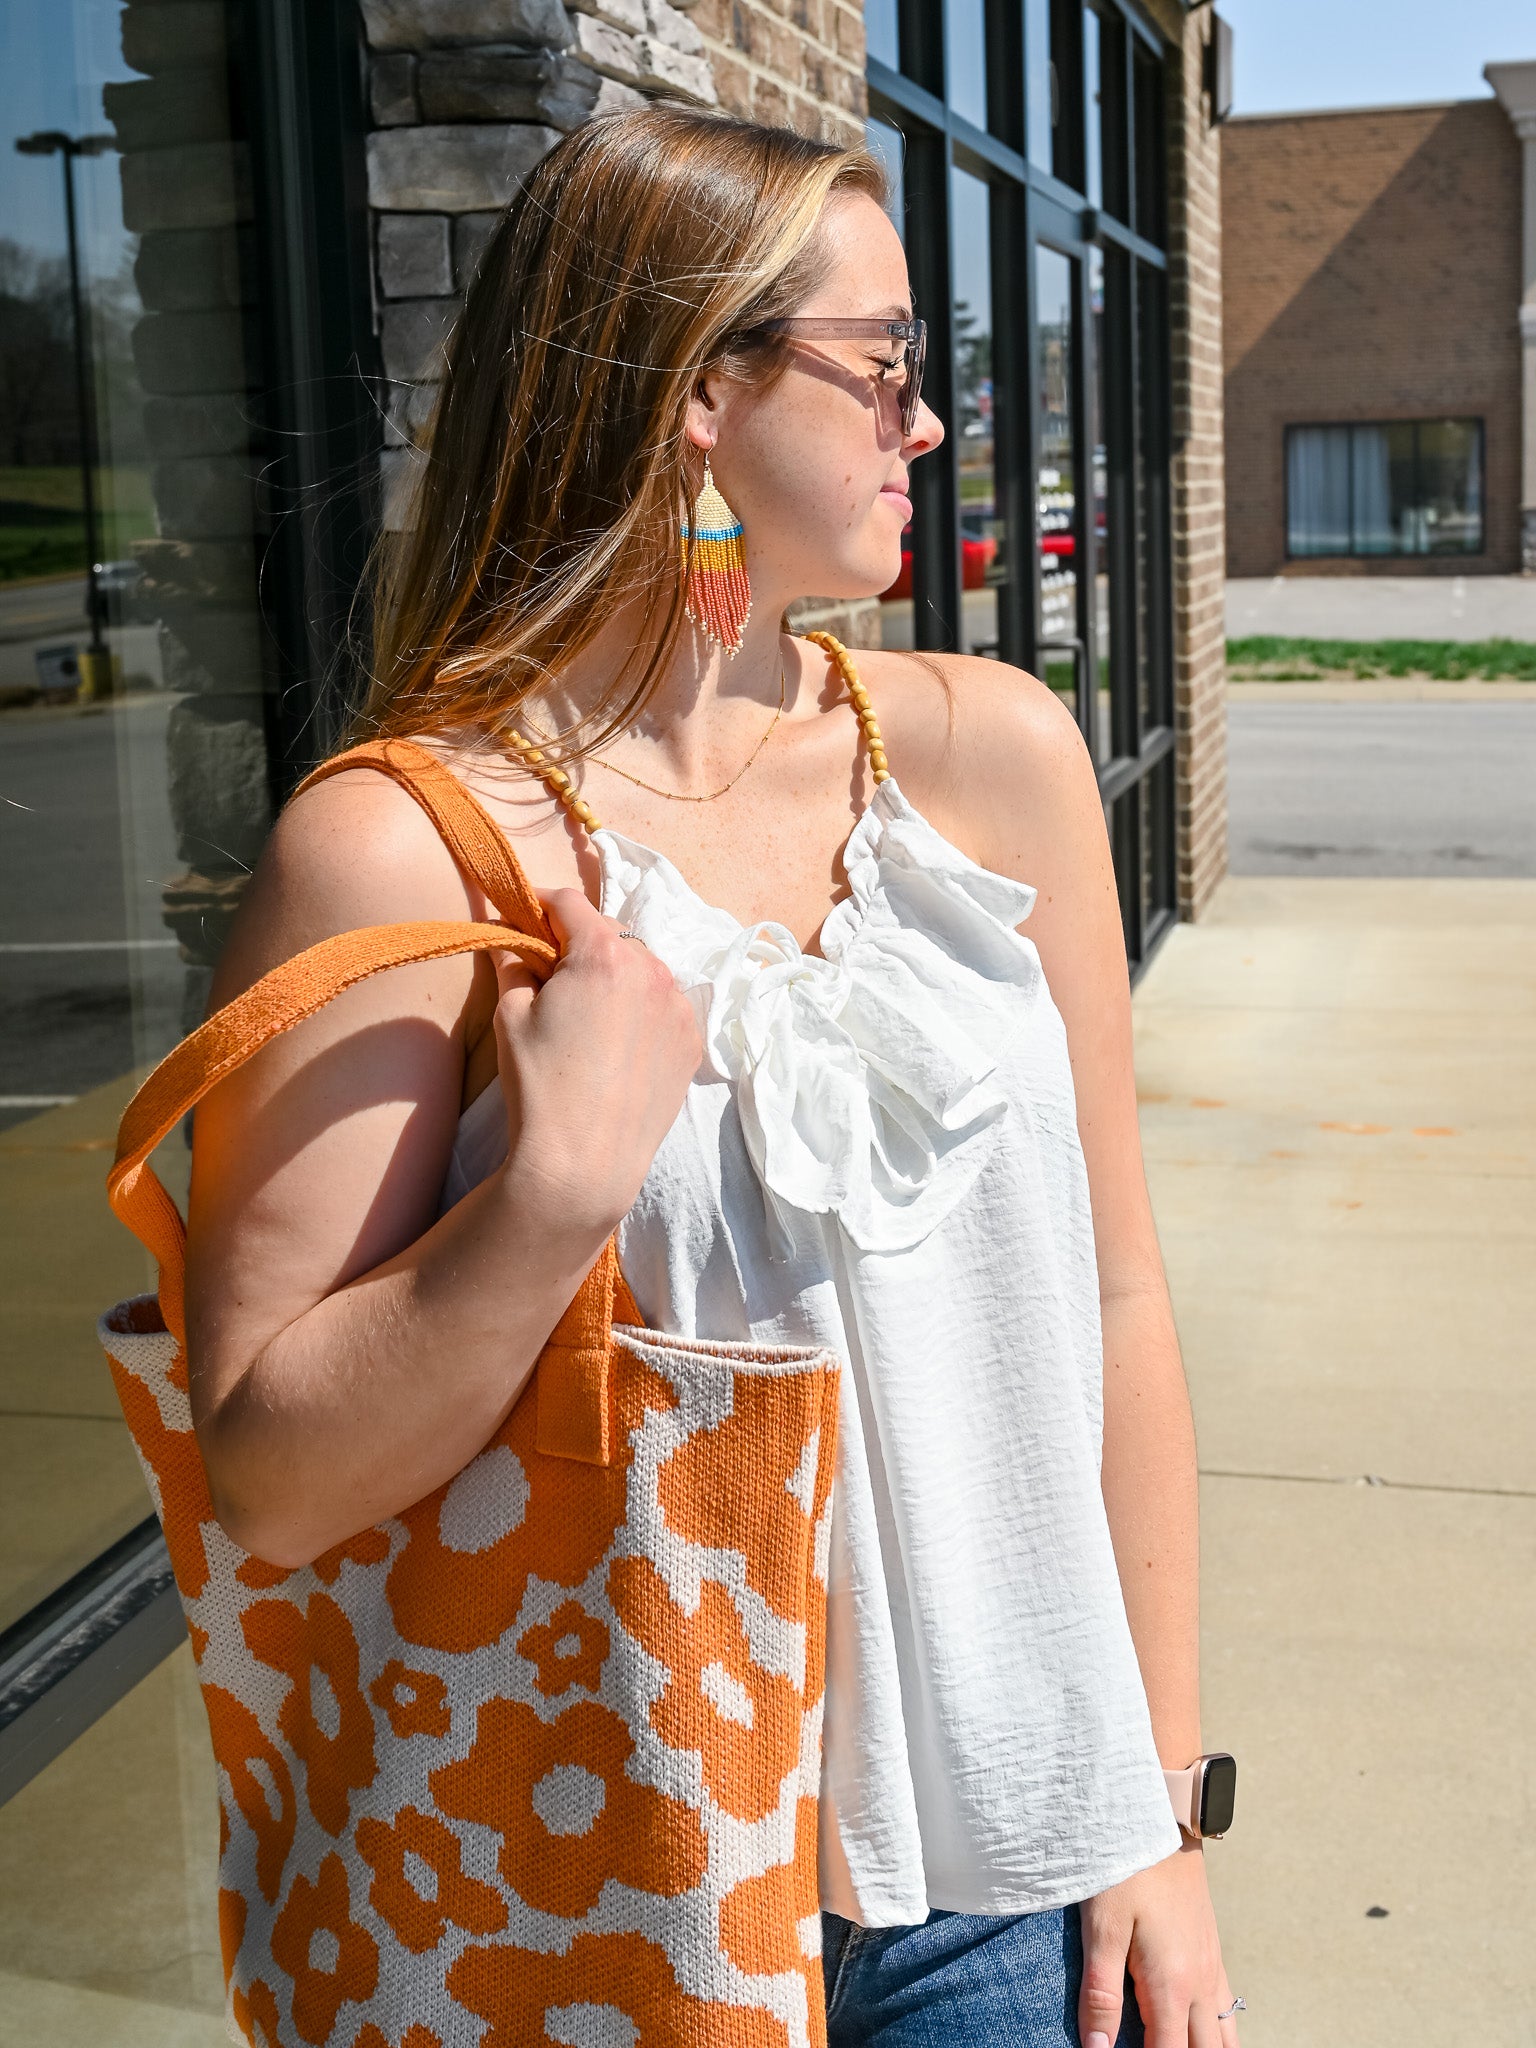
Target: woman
{"points": [[829, 1096]]}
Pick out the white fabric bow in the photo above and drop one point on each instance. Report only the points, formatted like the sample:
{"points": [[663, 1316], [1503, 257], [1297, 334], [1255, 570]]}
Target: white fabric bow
{"points": [[863, 1075]]}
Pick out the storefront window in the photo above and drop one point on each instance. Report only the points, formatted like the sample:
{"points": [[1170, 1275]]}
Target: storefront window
{"points": [[133, 706], [966, 71], [108, 1911], [881, 37], [184, 495], [983, 550], [1038, 260], [1400, 487], [1056, 496]]}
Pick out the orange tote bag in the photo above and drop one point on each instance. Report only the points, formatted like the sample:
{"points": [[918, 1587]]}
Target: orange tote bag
{"points": [[537, 1759]]}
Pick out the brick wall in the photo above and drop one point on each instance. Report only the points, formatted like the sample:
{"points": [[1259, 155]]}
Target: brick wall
{"points": [[792, 63], [1198, 484], [1372, 273]]}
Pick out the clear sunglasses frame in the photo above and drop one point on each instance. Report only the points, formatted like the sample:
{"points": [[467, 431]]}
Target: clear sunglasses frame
{"points": [[913, 333]]}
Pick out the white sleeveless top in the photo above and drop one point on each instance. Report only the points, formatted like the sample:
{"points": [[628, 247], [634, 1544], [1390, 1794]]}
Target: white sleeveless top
{"points": [[880, 1154]]}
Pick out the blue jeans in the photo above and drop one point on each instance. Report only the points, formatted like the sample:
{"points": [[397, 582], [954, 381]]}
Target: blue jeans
{"points": [[961, 1980]]}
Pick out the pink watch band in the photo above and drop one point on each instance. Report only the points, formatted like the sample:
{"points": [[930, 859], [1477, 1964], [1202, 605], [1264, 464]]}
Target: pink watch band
{"points": [[1184, 1794]]}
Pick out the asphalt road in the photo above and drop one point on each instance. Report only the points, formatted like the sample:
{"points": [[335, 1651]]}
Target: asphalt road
{"points": [[1382, 789], [90, 981]]}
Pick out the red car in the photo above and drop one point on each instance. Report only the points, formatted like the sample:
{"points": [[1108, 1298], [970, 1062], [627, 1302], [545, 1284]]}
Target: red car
{"points": [[978, 551]]}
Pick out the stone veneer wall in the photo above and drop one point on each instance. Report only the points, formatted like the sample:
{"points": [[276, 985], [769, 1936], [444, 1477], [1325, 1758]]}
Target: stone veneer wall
{"points": [[467, 96], [1199, 489]]}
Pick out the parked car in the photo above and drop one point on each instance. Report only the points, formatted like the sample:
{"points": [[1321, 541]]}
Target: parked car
{"points": [[119, 586], [978, 551]]}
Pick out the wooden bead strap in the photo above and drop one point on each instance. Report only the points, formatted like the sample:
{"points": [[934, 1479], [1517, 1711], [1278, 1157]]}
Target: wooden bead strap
{"points": [[566, 795], [858, 697]]}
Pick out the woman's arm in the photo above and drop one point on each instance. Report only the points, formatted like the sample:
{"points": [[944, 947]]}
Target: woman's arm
{"points": [[1032, 809], [347, 1352]]}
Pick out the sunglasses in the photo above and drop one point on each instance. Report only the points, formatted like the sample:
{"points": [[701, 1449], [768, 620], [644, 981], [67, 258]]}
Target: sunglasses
{"points": [[913, 334]]}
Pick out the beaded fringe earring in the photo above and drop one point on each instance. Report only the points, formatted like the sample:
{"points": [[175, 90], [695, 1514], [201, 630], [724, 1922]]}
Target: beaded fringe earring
{"points": [[718, 596]]}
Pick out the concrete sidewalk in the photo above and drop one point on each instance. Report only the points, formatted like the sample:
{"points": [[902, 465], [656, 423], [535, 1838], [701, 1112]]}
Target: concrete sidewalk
{"points": [[1338, 1081], [1383, 607]]}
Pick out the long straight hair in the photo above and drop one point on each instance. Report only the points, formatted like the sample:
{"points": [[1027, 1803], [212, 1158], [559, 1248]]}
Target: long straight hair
{"points": [[646, 249]]}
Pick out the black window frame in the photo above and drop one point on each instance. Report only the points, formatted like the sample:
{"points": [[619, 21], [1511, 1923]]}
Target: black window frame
{"points": [[1477, 421], [1034, 207]]}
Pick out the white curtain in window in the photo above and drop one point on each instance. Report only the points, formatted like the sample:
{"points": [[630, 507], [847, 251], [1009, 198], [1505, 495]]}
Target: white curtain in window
{"points": [[1317, 490], [1371, 463]]}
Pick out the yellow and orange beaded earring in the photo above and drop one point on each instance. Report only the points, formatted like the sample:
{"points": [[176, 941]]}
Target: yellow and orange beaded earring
{"points": [[718, 596]]}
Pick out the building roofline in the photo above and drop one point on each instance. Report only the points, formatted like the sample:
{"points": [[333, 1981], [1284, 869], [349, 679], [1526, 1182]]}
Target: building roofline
{"points": [[1482, 99]]}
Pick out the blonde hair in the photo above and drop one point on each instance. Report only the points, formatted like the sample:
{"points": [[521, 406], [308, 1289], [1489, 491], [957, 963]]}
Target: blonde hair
{"points": [[646, 249]]}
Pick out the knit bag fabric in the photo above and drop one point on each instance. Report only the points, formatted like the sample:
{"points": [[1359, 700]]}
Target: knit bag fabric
{"points": [[537, 1759]]}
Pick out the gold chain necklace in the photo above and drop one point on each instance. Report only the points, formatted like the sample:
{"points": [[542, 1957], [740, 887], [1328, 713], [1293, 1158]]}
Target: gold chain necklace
{"points": [[674, 796]]}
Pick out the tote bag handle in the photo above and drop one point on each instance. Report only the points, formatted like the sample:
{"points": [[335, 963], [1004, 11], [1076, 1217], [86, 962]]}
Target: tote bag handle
{"points": [[572, 1372]]}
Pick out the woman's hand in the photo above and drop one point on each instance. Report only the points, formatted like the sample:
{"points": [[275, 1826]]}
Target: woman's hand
{"points": [[594, 1065], [349, 1347], [1160, 1926]]}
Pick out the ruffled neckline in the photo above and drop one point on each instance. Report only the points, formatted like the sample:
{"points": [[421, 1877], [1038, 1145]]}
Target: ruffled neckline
{"points": [[865, 1073]]}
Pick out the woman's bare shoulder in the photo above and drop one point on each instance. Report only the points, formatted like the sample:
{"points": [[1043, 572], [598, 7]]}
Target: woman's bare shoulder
{"points": [[353, 850], [985, 750]]}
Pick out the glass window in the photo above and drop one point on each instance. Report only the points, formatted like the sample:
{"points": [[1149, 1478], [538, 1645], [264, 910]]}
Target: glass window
{"points": [[881, 36], [1053, 382], [108, 1905], [1054, 31], [1040, 83], [888, 144], [1093, 106], [133, 705], [966, 67], [983, 555], [1401, 487], [1056, 498], [1447, 517], [1150, 147], [1100, 738]]}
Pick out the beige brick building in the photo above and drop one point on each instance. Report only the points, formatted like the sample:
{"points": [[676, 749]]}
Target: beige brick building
{"points": [[1375, 422]]}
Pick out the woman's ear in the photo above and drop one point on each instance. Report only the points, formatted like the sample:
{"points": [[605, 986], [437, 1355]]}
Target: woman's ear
{"points": [[702, 424]]}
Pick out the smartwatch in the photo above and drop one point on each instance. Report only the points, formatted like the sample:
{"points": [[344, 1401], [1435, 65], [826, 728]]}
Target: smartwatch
{"points": [[1203, 1795]]}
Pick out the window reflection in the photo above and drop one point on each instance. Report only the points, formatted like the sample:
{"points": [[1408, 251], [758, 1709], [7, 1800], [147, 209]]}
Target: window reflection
{"points": [[881, 39], [1057, 495], [1040, 83], [890, 146], [966, 69], [983, 554], [136, 783], [108, 1921], [1100, 739], [1093, 105]]}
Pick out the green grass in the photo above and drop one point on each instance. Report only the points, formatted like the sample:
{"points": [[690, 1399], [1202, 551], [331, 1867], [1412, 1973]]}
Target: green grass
{"points": [[1270, 658], [42, 532], [57, 489]]}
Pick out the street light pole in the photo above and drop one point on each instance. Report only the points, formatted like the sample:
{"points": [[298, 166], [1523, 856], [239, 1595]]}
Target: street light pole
{"points": [[54, 142]]}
